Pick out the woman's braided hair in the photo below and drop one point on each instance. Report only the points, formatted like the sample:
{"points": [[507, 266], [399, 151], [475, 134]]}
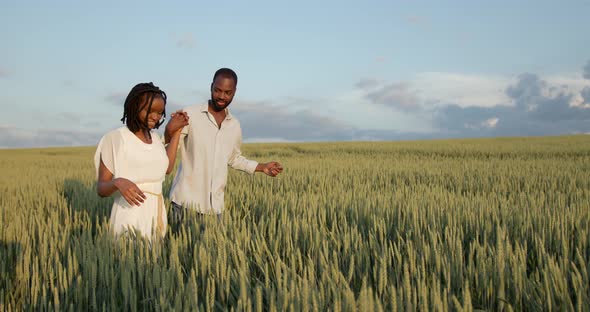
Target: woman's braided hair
{"points": [[141, 95]]}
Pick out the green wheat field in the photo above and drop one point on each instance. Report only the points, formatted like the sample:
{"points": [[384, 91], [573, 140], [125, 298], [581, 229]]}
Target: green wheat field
{"points": [[450, 225]]}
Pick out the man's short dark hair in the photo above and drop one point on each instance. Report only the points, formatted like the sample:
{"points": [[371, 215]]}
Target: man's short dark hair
{"points": [[226, 73]]}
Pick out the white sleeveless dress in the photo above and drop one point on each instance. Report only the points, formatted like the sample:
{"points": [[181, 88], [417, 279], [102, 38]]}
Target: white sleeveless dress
{"points": [[126, 156]]}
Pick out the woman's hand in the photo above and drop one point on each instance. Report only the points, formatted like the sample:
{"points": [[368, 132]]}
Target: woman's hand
{"points": [[178, 120], [129, 190]]}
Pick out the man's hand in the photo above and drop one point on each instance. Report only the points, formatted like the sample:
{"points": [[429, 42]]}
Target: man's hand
{"points": [[178, 120], [271, 169]]}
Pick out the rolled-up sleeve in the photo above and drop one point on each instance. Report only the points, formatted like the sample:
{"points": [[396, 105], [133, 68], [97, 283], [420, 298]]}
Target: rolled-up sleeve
{"points": [[238, 161]]}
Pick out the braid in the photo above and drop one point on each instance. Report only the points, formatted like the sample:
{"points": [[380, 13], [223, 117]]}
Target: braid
{"points": [[141, 95]]}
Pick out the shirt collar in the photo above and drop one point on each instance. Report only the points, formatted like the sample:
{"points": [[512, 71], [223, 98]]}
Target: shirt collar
{"points": [[205, 109]]}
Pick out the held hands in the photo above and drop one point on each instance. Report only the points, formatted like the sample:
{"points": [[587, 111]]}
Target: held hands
{"points": [[178, 120], [129, 190], [271, 169]]}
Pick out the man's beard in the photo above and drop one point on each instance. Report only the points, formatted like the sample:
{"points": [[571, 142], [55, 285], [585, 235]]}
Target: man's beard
{"points": [[216, 107]]}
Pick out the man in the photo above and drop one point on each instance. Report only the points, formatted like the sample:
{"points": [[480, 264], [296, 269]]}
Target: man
{"points": [[211, 142]]}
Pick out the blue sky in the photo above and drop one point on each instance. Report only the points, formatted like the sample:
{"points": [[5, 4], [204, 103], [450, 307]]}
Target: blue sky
{"points": [[308, 70]]}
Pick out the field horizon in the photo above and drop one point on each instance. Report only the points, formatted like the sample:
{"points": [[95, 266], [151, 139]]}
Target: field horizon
{"points": [[563, 136]]}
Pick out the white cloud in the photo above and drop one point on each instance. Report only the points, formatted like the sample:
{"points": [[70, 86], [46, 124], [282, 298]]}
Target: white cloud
{"points": [[263, 120], [13, 136], [267, 122], [491, 123], [486, 124], [353, 107], [432, 89], [573, 84], [538, 108], [396, 95], [438, 88], [570, 81]]}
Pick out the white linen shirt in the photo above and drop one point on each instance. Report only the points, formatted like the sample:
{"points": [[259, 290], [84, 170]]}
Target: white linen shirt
{"points": [[206, 151]]}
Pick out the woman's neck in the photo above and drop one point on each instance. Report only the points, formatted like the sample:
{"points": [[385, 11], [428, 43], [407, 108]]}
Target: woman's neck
{"points": [[144, 136]]}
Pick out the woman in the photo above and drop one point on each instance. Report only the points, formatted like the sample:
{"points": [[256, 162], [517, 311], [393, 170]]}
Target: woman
{"points": [[133, 161]]}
